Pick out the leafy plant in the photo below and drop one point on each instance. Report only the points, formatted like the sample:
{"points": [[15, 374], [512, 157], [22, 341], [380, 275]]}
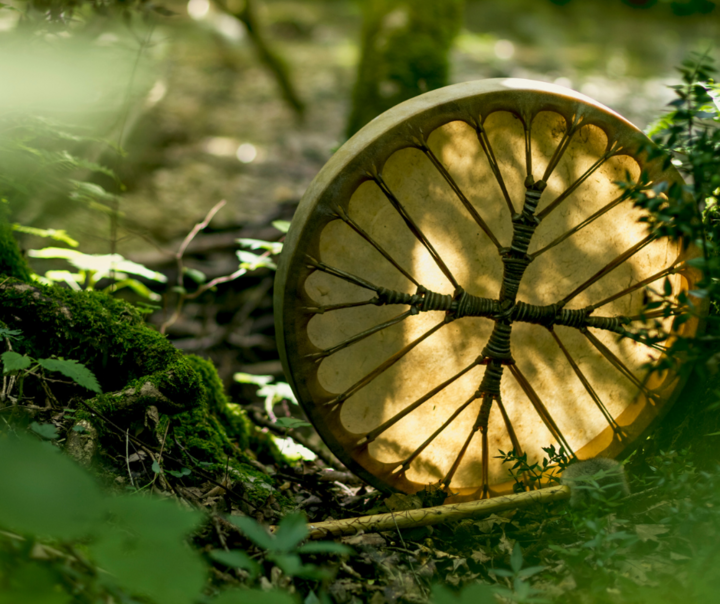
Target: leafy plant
{"points": [[688, 138], [247, 262], [529, 476], [273, 393], [521, 591], [94, 267], [282, 548], [22, 365]]}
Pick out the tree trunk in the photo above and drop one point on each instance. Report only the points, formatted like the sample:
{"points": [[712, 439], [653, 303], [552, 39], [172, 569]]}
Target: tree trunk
{"points": [[405, 46]]}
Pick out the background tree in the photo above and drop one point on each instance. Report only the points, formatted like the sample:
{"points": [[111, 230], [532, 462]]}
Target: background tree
{"points": [[404, 52]]}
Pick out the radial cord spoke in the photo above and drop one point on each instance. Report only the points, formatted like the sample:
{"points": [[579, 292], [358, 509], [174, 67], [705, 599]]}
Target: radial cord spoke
{"points": [[561, 148], [588, 388], [509, 428], [459, 457], [373, 434], [569, 191], [319, 310], [539, 407], [604, 210], [360, 336], [618, 364], [670, 270], [415, 229], [461, 196], [345, 217], [406, 464], [528, 148], [611, 266], [487, 148], [485, 465], [389, 362], [340, 274]]}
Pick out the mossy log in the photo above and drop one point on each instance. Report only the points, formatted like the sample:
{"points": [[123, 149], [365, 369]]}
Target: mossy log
{"points": [[150, 389]]}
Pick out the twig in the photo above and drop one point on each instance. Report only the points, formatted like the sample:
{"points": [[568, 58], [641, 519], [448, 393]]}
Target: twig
{"points": [[273, 61], [343, 477], [423, 589], [127, 456], [435, 515], [179, 260], [159, 459], [219, 533]]}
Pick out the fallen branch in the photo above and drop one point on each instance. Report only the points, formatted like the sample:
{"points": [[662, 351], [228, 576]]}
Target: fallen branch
{"points": [[435, 515]]}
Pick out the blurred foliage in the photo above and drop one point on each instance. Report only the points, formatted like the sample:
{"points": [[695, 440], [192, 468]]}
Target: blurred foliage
{"points": [[63, 11], [63, 540]]}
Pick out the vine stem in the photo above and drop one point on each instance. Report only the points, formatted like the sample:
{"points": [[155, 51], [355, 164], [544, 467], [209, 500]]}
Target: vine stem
{"points": [[179, 261], [183, 295]]}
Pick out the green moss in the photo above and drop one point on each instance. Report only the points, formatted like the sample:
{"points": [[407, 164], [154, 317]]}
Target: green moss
{"points": [[106, 334], [12, 262], [233, 419], [229, 420], [405, 46]]}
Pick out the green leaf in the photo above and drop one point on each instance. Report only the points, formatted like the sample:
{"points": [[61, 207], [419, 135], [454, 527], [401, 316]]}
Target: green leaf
{"points": [[473, 594], [44, 493], [290, 564], [90, 192], [248, 378], [12, 361], [277, 392], [254, 531], [77, 372], [57, 235], [143, 550], [35, 583], [9, 333], [516, 559], [71, 279], [274, 247], [79, 429], [138, 287], [254, 596], [196, 275], [311, 599], [101, 264], [251, 261], [290, 532], [180, 474], [156, 467], [291, 422], [281, 225], [325, 547], [667, 287], [236, 559], [530, 571], [47, 431]]}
